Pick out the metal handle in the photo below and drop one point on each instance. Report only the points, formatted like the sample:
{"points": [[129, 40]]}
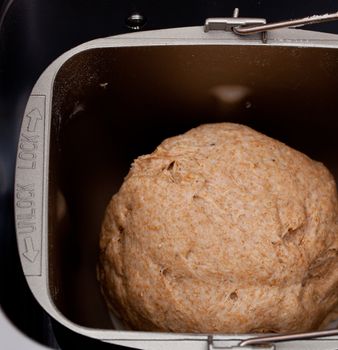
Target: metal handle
{"points": [[248, 26], [292, 23], [287, 337], [267, 342]]}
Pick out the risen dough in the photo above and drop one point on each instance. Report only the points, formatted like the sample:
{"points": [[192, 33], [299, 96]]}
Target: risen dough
{"points": [[222, 229]]}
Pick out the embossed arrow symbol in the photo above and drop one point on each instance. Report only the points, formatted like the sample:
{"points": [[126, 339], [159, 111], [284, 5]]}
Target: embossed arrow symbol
{"points": [[33, 116], [30, 254]]}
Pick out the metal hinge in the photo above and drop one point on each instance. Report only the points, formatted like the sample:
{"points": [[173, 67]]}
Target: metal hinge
{"points": [[248, 26]]}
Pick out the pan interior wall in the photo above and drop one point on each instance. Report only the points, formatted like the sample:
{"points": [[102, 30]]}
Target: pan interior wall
{"points": [[111, 105]]}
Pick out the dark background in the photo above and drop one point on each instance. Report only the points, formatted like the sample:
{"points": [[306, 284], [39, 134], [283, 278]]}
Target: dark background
{"points": [[32, 34]]}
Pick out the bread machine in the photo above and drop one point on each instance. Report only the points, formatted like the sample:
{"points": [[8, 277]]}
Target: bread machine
{"points": [[103, 103]]}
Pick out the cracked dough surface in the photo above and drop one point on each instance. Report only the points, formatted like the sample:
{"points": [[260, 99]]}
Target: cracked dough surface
{"points": [[222, 229]]}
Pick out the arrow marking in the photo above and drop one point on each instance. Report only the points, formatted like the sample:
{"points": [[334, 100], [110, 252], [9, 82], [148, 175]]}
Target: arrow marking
{"points": [[33, 116], [30, 254]]}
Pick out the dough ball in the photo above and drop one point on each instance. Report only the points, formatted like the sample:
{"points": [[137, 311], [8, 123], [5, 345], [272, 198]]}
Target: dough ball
{"points": [[222, 229]]}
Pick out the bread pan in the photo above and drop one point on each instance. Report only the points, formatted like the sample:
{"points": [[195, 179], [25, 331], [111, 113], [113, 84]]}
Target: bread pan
{"points": [[105, 102]]}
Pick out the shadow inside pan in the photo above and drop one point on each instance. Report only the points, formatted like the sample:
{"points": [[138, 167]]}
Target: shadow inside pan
{"points": [[111, 105]]}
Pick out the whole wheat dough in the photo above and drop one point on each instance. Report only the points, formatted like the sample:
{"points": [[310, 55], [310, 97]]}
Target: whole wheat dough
{"points": [[222, 229]]}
